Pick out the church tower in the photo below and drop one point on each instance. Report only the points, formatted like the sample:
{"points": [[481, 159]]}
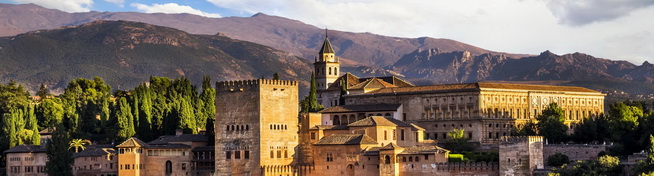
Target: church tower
{"points": [[326, 65]]}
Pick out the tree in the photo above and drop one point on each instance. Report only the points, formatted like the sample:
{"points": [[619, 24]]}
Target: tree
{"points": [[124, 124], [594, 129], [341, 100], [50, 113], [60, 159], [208, 96], [275, 76], [528, 129], [458, 142], [43, 92], [310, 103], [145, 112], [79, 143], [647, 165], [187, 120], [31, 125], [551, 126], [557, 160]]}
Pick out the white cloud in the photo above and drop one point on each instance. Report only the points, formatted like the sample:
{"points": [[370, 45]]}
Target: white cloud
{"points": [[581, 12], [516, 26], [117, 2], [172, 8], [63, 5]]}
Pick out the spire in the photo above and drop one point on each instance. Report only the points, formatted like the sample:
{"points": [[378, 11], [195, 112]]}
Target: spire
{"points": [[326, 46]]}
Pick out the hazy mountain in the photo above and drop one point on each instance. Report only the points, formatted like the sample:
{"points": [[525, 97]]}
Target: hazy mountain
{"points": [[127, 53], [285, 34], [434, 66]]}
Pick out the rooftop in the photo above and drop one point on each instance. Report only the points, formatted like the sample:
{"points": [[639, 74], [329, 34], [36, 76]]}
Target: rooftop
{"points": [[26, 149], [478, 87], [346, 139], [379, 121], [94, 151], [132, 142], [179, 138], [362, 108]]}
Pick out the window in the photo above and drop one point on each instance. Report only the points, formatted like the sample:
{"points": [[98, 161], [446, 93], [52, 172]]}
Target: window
{"points": [[183, 166], [387, 159], [330, 158], [228, 155], [313, 135], [237, 154], [402, 134], [285, 153], [394, 138], [279, 154], [272, 154], [169, 167], [385, 135], [246, 154]]}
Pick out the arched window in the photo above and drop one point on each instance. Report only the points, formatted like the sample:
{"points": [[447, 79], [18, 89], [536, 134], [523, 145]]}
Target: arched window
{"points": [[403, 159], [387, 159], [169, 167]]}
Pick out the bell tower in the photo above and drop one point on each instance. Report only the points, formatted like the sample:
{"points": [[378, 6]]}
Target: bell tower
{"points": [[326, 65]]}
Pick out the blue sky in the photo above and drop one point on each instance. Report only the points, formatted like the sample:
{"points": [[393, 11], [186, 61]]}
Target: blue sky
{"points": [[611, 29]]}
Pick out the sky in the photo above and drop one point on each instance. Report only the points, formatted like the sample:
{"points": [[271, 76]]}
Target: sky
{"points": [[611, 29]]}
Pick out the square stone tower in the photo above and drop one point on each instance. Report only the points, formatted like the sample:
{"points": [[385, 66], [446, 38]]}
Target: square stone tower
{"points": [[256, 126], [520, 155]]}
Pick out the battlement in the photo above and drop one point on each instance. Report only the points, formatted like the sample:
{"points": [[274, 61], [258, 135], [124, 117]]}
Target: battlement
{"points": [[490, 168], [519, 139], [241, 85]]}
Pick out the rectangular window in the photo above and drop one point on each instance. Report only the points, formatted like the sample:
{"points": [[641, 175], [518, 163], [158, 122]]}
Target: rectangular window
{"points": [[237, 154], [279, 154], [247, 154], [402, 134], [228, 155], [394, 135], [183, 166], [313, 135]]}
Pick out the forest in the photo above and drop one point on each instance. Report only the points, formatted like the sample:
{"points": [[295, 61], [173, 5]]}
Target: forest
{"points": [[88, 110]]}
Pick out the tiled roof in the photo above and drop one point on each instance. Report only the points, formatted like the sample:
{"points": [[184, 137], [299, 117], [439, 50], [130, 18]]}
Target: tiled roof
{"points": [[204, 149], [353, 81], [390, 146], [379, 121], [362, 108], [329, 127], [132, 142], [94, 151], [346, 139], [371, 83], [168, 146], [423, 150], [478, 87], [485, 85], [179, 138], [26, 149], [326, 47]]}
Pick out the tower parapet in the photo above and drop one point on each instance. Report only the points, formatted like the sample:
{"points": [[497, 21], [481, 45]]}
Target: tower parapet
{"points": [[242, 85]]}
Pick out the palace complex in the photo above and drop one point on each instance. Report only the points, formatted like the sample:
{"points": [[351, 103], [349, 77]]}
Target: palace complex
{"points": [[383, 126]]}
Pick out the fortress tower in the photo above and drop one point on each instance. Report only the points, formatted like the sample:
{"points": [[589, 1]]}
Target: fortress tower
{"points": [[326, 65], [256, 127]]}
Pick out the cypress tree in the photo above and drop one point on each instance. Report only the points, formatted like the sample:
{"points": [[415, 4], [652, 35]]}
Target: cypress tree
{"points": [[125, 125], [186, 117], [32, 125], [60, 158], [145, 112], [312, 100]]}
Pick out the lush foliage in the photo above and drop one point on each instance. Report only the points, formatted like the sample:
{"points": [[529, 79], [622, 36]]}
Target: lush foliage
{"points": [[60, 158], [604, 166], [557, 160], [310, 103], [458, 142], [551, 124]]}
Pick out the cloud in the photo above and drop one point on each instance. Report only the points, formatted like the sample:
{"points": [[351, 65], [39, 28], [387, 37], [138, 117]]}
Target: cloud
{"points": [[63, 5], [172, 8], [582, 12], [117, 2]]}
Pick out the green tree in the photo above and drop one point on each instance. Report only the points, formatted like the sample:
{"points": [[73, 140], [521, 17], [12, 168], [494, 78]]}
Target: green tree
{"points": [[458, 142], [31, 125], [145, 112], [551, 126], [50, 113], [124, 125], [60, 159], [208, 97], [624, 118], [275, 76], [43, 92], [647, 165], [594, 129], [79, 143], [310, 103], [557, 160], [187, 120], [528, 129]]}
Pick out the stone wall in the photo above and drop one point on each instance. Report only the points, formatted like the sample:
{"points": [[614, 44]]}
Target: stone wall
{"points": [[575, 152], [521, 155]]}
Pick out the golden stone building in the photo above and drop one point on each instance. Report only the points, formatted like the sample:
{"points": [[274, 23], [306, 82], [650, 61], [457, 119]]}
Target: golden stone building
{"points": [[486, 111], [256, 127]]}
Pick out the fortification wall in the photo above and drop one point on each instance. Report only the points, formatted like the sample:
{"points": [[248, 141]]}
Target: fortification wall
{"points": [[575, 152]]}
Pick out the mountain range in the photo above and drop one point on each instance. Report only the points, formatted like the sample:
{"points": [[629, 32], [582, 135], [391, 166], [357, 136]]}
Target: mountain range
{"points": [[193, 45]]}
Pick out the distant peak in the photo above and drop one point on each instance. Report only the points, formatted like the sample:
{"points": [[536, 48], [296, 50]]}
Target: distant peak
{"points": [[646, 63], [547, 53], [259, 14]]}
